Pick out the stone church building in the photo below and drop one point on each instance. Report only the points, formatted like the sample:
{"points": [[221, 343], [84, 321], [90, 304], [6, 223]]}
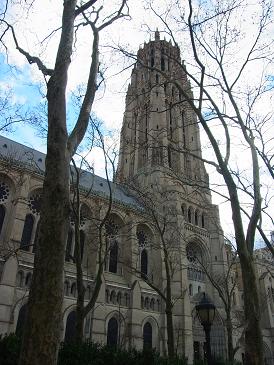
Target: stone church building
{"points": [[161, 209]]}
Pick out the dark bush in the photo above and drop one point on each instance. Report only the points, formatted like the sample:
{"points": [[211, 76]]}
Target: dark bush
{"points": [[88, 353], [9, 349]]}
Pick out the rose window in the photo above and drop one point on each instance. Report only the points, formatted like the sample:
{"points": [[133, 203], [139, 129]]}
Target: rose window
{"points": [[142, 239], [4, 191], [34, 203]]}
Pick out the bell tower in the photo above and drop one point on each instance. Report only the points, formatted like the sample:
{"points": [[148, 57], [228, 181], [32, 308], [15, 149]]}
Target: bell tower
{"points": [[159, 128]]}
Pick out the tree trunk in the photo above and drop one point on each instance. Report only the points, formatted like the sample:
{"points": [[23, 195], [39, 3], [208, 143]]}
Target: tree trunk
{"points": [[42, 330], [253, 334], [41, 342], [170, 333]]}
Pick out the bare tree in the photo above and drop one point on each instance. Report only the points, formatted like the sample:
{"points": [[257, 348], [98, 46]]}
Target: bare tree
{"points": [[82, 309], [160, 215], [221, 111], [43, 325]]}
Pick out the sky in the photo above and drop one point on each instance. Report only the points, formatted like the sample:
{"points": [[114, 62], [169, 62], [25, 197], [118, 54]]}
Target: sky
{"points": [[34, 24]]}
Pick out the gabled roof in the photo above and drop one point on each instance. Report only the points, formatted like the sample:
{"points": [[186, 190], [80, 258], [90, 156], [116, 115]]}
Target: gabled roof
{"points": [[26, 157]]}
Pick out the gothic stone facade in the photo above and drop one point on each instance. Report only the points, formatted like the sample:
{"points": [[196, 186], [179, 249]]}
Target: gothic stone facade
{"points": [[160, 174]]}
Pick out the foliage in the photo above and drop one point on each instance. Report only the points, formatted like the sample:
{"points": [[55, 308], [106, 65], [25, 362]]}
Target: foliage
{"points": [[82, 353], [88, 353], [9, 349], [217, 362]]}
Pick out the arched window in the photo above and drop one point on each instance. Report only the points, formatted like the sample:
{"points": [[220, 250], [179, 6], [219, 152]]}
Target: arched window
{"points": [[157, 79], [142, 302], [2, 216], [126, 299], [70, 326], [27, 233], [147, 336], [28, 280], [113, 257], [21, 320], [73, 290], [66, 288], [112, 332], [199, 289], [147, 303], [196, 218], [20, 279], [36, 236], [88, 292], [144, 264], [189, 215], [203, 221], [162, 64], [152, 304], [107, 296], [190, 290], [158, 305], [113, 297], [69, 244]]}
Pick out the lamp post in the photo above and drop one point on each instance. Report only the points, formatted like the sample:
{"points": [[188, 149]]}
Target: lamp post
{"points": [[206, 313]]}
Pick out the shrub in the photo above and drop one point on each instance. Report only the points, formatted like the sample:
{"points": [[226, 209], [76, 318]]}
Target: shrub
{"points": [[9, 349]]}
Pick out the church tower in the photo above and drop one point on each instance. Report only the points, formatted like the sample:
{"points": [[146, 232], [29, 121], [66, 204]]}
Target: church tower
{"points": [[159, 127], [160, 160]]}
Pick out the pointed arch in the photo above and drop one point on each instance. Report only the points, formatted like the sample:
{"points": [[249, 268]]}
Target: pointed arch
{"points": [[147, 336], [113, 257], [144, 264], [36, 236], [112, 332], [2, 216], [70, 326], [69, 244], [27, 233], [21, 320]]}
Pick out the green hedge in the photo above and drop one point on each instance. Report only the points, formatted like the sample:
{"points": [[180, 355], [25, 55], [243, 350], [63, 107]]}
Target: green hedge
{"points": [[9, 349], [88, 353]]}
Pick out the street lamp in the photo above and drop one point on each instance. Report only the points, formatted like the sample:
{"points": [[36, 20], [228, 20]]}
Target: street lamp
{"points": [[206, 313]]}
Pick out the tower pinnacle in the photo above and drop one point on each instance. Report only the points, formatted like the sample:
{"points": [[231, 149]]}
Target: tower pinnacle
{"points": [[157, 35]]}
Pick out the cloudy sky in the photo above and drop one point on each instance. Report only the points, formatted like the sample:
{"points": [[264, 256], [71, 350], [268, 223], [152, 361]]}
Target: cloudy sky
{"points": [[34, 27]]}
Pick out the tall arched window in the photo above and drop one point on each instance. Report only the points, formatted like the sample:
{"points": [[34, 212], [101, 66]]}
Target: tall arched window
{"points": [[113, 257], [162, 64], [203, 220], [28, 280], [112, 332], [147, 336], [21, 320], [70, 326], [190, 290], [2, 216], [27, 233], [189, 216], [144, 264], [69, 244], [36, 236], [196, 218]]}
